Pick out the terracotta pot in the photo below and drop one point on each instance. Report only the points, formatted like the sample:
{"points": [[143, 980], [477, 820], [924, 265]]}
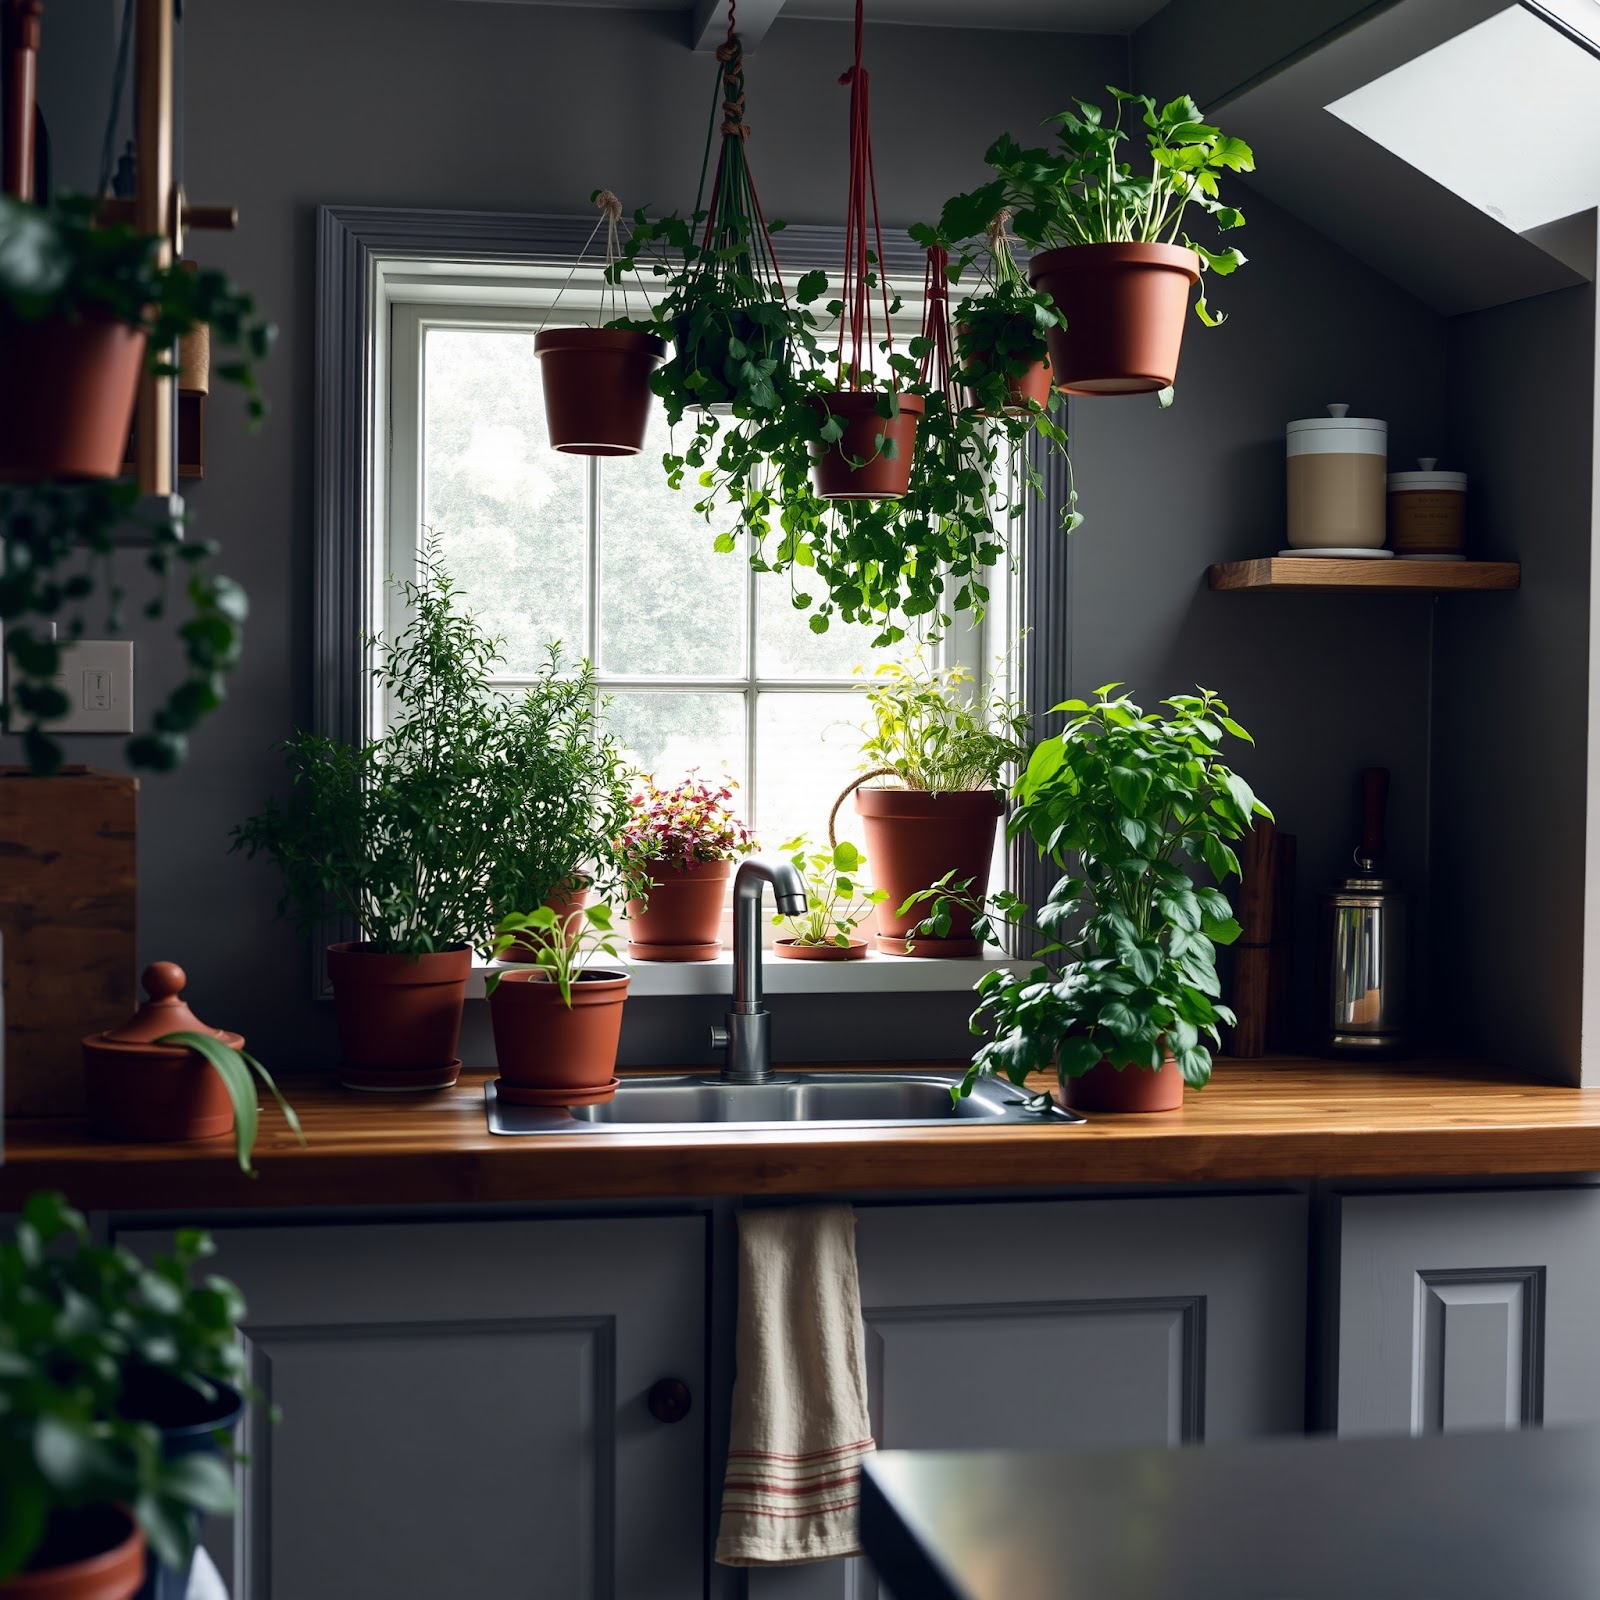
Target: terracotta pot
{"points": [[597, 388], [913, 839], [856, 950], [683, 917], [136, 1089], [1029, 390], [564, 900], [189, 1424], [67, 400], [94, 1554], [549, 1054], [1105, 1088], [1125, 306], [879, 477], [399, 1017]]}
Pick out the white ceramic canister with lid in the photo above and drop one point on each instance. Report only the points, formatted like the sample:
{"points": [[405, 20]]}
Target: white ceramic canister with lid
{"points": [[1338, 465], [1428, 513]]}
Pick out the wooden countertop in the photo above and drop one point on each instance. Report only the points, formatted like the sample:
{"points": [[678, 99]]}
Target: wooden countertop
{"points": [[1277, 1118]]}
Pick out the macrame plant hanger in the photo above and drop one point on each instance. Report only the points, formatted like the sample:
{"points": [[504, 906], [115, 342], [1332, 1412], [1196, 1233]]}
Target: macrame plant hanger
{"points": [[855, 321]]}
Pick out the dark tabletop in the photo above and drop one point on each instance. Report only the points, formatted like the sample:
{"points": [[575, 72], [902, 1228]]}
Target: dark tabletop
{"points": [[1462, 1517]]}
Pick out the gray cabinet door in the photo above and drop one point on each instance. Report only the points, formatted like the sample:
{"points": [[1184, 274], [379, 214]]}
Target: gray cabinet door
{"points": [[464, 1410], [1461, 1311], [1092, 1324]]}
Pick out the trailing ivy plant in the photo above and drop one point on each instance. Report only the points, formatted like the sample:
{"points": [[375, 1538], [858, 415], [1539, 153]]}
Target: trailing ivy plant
{"points": [[413, 833], [1087, 193], [1131, 805], [57, 550]]}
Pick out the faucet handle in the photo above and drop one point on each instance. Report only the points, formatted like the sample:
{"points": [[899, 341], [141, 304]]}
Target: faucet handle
{"points": [[720, 1037]]}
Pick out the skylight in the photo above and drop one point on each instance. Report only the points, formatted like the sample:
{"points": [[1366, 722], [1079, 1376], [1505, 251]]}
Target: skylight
{"points": [[1506, 115]]}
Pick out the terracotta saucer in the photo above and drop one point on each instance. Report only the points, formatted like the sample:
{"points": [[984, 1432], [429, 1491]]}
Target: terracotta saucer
{"points": [[515, 1094], [891, 946], [399, 1080], [674, 952]]}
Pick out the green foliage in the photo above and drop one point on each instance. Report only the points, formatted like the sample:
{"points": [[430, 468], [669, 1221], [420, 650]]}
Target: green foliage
{"points": [[414, 833], [77, 1320], [56, 262], [930, 731], [235, 1068], [563, 945], [1085, 193], [1131, 805], [837, 902], [57, 548]]}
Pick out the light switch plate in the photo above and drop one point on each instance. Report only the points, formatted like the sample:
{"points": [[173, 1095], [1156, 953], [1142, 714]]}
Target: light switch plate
{"points": [[97, 678]]}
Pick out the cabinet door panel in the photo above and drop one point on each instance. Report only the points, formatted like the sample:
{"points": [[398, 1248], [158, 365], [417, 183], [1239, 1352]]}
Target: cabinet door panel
{"points": [[1468, 1311], [1087, 1324], [463, 1409]]}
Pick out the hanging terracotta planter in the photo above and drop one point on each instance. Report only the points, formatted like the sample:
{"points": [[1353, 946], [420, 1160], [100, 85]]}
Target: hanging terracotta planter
{"points": [[66, 402], [552, 1054], [138, 1090], [1111, 1089], [884, 447], [597, 388], [1028, 391], [792, 950], [1125, 306], [94, 1554], [682, 919], [399, 1016], [913, 839]]}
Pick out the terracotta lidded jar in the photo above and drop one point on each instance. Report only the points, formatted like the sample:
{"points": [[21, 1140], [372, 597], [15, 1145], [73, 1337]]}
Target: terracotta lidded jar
{"points": [[1428, 513], [140, 1090], [1338, 467]]}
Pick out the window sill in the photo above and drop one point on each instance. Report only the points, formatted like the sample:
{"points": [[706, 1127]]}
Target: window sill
{"points": [[877, 974]]}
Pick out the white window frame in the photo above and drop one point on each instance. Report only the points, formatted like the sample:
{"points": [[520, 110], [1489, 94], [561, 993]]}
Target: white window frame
{"points": [[416, 295]]}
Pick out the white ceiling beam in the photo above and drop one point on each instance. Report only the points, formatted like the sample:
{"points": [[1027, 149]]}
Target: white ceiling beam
{"points": [[708, 23]]}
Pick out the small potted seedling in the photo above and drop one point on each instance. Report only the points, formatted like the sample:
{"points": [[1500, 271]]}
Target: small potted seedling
{"points": [[837, 903]]}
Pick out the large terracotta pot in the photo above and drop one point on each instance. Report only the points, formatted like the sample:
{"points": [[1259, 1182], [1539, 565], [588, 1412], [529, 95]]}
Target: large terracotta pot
{"points": [[1106, 1088], [1125, 306], [399, 1016], [1027, 391], [138, 1090], [913, 839], [95, 1554], [66, 402], [880, 476], [683, 917], [550, 1054], [597, 388]]}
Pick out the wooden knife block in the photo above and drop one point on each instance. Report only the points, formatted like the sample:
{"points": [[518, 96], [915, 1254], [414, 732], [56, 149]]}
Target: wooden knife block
{"points": [[68, 910]]}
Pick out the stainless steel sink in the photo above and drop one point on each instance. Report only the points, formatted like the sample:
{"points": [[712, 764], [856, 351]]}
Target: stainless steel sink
{"points": [[811, 1100]]}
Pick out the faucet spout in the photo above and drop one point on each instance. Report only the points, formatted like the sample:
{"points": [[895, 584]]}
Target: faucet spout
{"points": [[747, 1037]]}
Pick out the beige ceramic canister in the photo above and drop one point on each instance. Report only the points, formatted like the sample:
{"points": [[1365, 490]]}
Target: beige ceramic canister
{"points": [[1428, 513], [1338, 465]]}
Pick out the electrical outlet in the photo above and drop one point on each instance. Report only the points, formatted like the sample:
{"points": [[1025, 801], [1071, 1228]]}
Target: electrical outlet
{"points": [[97, 678]]}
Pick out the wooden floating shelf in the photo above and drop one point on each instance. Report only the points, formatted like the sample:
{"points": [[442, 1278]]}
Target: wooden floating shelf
{"points": [[1331, 575]]}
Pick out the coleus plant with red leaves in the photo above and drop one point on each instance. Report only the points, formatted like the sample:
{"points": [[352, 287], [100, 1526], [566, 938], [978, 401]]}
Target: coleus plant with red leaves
{"points": [[694, 821]]}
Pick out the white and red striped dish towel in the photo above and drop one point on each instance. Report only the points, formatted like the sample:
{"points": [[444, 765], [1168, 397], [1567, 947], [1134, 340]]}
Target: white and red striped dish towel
{"points": [[800, 1424]]}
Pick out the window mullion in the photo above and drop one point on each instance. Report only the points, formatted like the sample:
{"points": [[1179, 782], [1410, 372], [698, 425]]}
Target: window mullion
{"points": [[591, 561], [752, 616]]}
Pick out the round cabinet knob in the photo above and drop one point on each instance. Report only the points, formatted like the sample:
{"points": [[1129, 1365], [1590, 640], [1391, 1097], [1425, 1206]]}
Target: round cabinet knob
{"points": [[669, 1400]]}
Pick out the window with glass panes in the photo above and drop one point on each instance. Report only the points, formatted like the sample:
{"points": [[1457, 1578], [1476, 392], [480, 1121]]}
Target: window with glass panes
{"points": [[707, 666]]}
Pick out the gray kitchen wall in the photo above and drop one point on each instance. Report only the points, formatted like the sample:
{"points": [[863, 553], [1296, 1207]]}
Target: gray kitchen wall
{"points": [[1512, 674], [504, 106]]}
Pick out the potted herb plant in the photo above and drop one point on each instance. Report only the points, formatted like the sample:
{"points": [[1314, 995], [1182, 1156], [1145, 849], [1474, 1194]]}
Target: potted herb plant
{"points": [[597, 380], [837, 903], [400, 835], [80, 303], [557, 1022], [678, 849], [120, 1383], [164, 1076], [948, 753], [1131, 805], [1113, 256]]}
